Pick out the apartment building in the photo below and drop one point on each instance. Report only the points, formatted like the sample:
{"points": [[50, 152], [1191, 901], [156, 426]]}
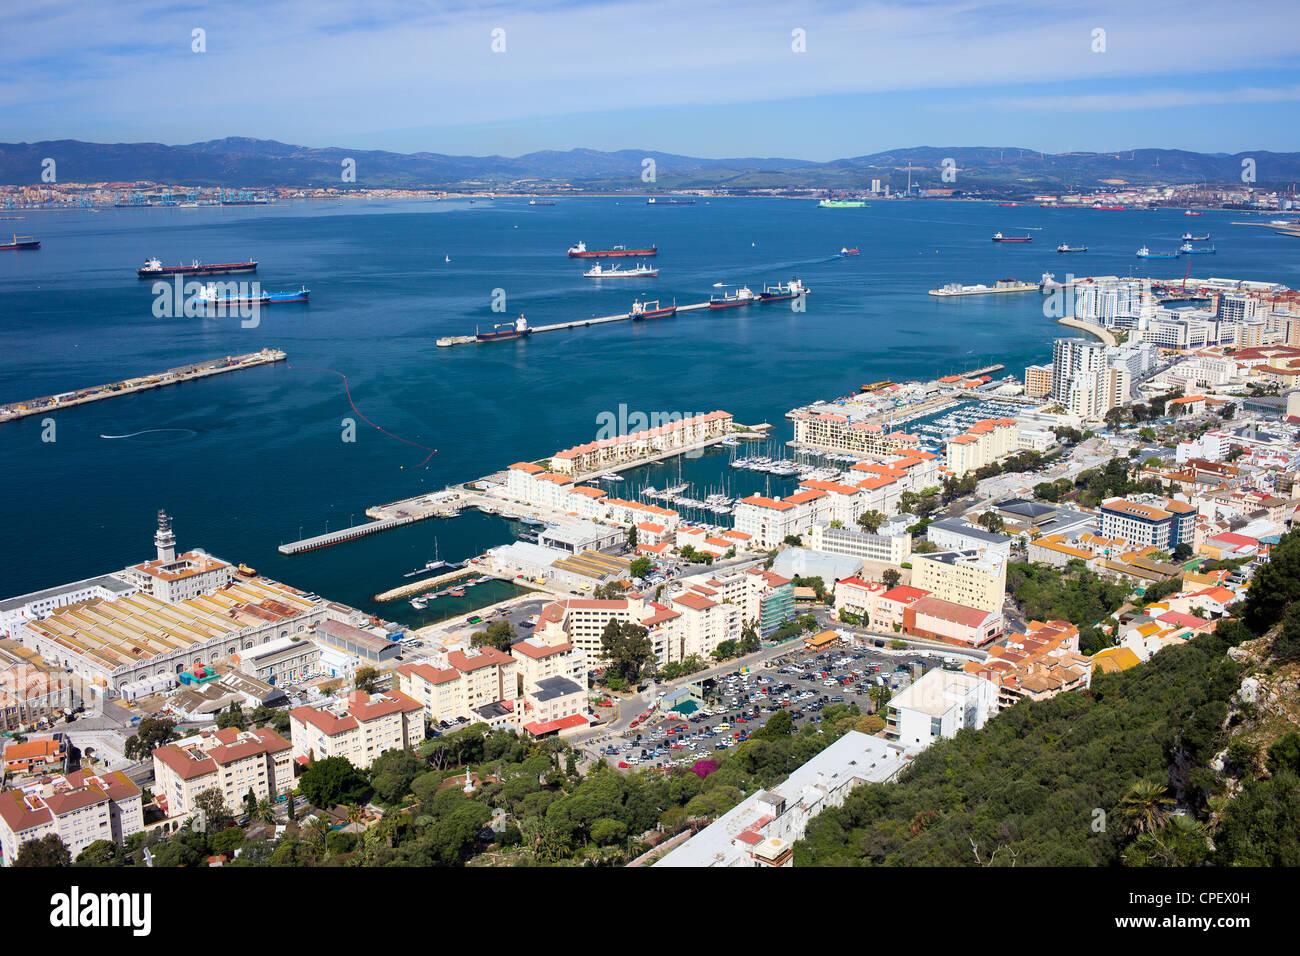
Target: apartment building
{"points": [[1038, 380], [982, 444], [358, 727], [1085, 381], [938, 705], [892, 544], [954, 534], [230, 761], [973, 578], [951, 622], [79, 808], [673, 433], [1149, 521]]}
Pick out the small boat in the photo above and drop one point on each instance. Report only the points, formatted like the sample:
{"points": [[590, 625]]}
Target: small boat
{"points": [[998, 237], [419, 603], [642, 271], [652, 310], [457, 592], [611, 476], [245, 569], [446, 258], [21, 242], [732, 300], [850, 252], [1188, 237], [1066, 247]]}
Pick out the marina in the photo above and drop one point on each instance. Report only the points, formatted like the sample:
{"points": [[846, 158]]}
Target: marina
{"points": [[173, 376]]}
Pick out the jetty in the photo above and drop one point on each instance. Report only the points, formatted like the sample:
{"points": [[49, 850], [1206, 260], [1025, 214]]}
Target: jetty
{"points": [[173, 376], [575, 324], [415, 587], [346, 534]]}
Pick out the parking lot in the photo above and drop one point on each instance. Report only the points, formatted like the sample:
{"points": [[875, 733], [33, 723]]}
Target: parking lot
{"points": [[802, 683]]}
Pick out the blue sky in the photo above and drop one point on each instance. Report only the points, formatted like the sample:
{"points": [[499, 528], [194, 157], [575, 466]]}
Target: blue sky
{"points": [[705, 79]]}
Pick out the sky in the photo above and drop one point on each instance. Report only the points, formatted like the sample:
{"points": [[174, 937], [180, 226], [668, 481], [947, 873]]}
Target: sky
{"points": [[725, 78]]}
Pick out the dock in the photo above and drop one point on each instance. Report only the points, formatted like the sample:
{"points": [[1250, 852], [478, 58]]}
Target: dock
{"points": [[173, 376], [575, 324], [415, 587], [347, 534]]}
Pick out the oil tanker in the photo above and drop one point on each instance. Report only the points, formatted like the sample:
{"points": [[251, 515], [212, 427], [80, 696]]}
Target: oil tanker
{"points": [[580, 251], [208, 296], [154, 268], [998, 237]]}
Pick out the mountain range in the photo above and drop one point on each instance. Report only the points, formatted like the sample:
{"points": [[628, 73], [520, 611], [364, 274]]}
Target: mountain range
{"points": [[238, 161]]}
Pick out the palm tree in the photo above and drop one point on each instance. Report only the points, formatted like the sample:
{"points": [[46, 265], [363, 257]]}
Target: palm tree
{"points": [[317, 833], [1146, 806], [265, 810], [354, 812]]}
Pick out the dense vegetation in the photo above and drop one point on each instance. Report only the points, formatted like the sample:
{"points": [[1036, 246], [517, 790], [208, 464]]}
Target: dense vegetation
{"points": [[1165, 764], [1073, 594]]}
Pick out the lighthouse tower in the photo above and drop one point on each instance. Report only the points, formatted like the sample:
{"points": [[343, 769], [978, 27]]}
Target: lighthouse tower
{"points": [[165, 540]]}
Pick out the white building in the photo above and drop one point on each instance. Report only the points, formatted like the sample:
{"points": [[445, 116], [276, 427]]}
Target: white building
{"points": [[762, 829], [79, 808], [940, 704]]}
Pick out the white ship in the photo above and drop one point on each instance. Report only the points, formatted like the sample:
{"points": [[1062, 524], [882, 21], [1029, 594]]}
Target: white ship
{"points": [[642, 271]]}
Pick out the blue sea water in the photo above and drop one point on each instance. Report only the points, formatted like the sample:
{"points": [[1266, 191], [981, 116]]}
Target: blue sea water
{"points": [[251, 459]]}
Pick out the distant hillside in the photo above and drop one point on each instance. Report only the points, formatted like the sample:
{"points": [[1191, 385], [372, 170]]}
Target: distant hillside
{"points": [[238, 161]]}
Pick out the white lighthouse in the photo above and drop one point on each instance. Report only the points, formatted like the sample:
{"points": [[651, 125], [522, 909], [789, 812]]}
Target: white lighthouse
{"points": [[165, 539]]}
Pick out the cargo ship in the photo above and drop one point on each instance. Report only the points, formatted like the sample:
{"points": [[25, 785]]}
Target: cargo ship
{"points": [[1002, 285], [1066, 247], [1104, 206], [850, 252], [998, 237], [641, 271], [1188, 237], [1008, 205], [655, 201], [21, 242], [517, 329], [208, 297], [1188, 249], [731, 300], [580, 251], [842, 204], [1145, 253], [154, 267], [535, 202], [780, 292], [652, 310], [1191, 212]]}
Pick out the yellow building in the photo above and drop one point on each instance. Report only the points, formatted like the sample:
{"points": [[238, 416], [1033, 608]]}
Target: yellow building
{"points": [[968, 578]]}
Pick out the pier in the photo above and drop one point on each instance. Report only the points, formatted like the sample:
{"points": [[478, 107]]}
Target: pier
{"points": [[406, 590], [173, 376], [347, 534], [575, 324]]}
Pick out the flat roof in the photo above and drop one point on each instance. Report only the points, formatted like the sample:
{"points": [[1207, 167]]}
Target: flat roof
{"points": [[106, 581]]}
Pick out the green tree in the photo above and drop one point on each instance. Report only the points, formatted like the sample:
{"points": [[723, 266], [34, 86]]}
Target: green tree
{"points": [[499, 634], [631, 537], [640, 567], [212, 804], [992, 521], [232, 717], [100, 853], [151, 734], [1275, 587], [392, 774], [1145, 806], [870, 521], [333, 780], [890, 577], [227, 841], [366, 680], [793, 540], [627, 647], [49, 850]]}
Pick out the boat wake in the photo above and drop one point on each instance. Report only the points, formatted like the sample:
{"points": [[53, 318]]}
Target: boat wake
{"points": [[185, 432]]}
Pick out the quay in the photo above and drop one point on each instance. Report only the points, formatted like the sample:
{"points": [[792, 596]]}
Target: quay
{"points": [[575, 324], [406, 590], [347, 534], [173, 376]]}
